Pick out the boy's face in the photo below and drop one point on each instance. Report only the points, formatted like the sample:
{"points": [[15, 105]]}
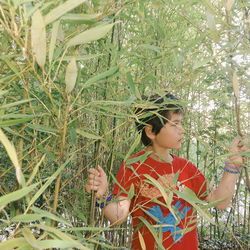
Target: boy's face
{"points": [[171, 135]]}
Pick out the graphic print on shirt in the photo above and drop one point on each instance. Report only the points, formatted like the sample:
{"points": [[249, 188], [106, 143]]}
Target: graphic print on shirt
{"points": [[170, 221], [166, 181]]}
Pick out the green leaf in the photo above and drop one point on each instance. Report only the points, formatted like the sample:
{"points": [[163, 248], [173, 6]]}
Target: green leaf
{"points": [[11, 151], [229, 4], [49, 215], [43, 129], [188, 195], [167, 198], [61, 10], [200, 63], [20, 116], [236, 86], [132, 148], [3, 92], [153, 232], [13, 104], [48, 182], [35, 170], [151, 47], [11, 244], [44, 244], [140, 158], [142, 242], [71, 75], [16, 195], [14, 122], [88, 135], [52, 45], [90, 35], [26, 218], [61, 235], [38, 38], [81, 58], [80, 17], [131, 192], [133, 87]]}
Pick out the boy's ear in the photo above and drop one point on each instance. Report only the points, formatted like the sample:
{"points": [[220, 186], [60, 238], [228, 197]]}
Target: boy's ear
{"points": [[148, 131]]}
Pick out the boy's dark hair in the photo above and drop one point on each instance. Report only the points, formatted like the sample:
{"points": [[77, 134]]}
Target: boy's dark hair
{"points": [[157, 115]]}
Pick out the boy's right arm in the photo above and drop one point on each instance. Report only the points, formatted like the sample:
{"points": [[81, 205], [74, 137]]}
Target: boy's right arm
{"points": [[116, 212]]}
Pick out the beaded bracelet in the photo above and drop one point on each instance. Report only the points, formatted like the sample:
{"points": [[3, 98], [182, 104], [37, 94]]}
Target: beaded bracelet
{"points": [[104, 203], [231, 171], [232, 166]]}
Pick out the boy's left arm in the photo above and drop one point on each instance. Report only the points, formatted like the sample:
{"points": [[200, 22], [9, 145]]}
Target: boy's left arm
{"points": [[226, 187]]}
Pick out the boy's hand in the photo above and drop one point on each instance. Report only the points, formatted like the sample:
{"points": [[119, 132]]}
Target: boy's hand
{"points": [[238, 145], [97, 181]]}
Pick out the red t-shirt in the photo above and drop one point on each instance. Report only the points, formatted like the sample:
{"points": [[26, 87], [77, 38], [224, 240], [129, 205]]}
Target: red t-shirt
{"points": [[153, 223]]}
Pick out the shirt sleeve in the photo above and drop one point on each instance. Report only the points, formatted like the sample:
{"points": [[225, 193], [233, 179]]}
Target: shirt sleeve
{"points": [[124, 180]]}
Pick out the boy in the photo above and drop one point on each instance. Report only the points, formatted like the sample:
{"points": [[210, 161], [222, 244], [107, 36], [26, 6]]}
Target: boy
{"points": [[162, 216]]}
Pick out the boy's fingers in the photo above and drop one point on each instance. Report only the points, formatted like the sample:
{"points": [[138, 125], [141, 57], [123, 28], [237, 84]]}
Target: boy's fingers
{"points": [[93, 171], [101, 171]]}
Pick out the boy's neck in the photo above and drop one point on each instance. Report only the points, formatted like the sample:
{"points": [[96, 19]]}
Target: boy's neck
{"points": [[160, 155]]}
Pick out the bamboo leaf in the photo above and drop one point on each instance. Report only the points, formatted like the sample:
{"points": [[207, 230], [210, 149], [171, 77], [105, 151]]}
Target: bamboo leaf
{"points": [[153, 232], [203, 62], [52, 45], [133, 88], [229, 4], [71, 75], [16, 195], [88, 135], [12, 243], [20, 116], [13, 104], [90, 35], [140, 158], [101, 76], [44, 244], [80, 16], [212, 27], [131, 192], [14, 122], [236, 86], [82, 58], [204, 214], [43, 129], [3, 92], [11, 151], [163, 193], [38, 38], [35, 170], [142, 242], [48, 182], [132, 148], [61, 235], [49, 215], [26, 218], [61, 10]]}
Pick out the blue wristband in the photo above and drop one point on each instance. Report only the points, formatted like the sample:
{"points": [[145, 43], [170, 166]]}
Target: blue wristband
{"points": [[103, 204], [231, 171]]}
